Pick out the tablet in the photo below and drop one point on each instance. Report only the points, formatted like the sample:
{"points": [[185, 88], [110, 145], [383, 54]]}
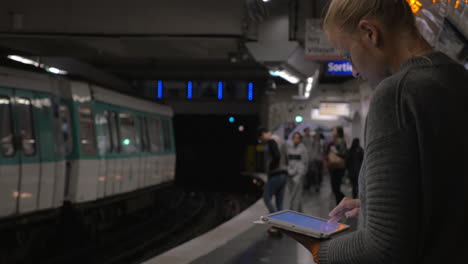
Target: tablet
{"points": [[304, 224]]}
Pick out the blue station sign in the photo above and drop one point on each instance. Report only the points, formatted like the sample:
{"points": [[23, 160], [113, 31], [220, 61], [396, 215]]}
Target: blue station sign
{"points": [[339, 68]]}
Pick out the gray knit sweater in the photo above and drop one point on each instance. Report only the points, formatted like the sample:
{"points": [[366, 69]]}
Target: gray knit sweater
{"points": [[413, 183]]}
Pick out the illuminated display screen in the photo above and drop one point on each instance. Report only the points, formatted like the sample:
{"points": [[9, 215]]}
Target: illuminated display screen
{"points": [[309, 222]]}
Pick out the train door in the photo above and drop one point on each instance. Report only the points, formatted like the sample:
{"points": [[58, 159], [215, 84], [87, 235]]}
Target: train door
{"points": [[9, 156], [47, 149], [63, 142], [30, 167], [104, 144], [144, 156], [113, 185]]}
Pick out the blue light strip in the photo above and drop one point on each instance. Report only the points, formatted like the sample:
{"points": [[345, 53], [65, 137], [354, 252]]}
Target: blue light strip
{"points": [[189, 90], [251, 91], [220, 90], [160, 89]]}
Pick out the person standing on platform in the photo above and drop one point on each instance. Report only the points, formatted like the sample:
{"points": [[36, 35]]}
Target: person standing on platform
{"points": [[307, 140], [412, 205], [277, 172], [353, 164], [297, 168], [337, 152], [318, 150]]}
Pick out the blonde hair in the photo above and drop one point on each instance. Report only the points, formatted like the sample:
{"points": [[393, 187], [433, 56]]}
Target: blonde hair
{"points": [[345, 14]]}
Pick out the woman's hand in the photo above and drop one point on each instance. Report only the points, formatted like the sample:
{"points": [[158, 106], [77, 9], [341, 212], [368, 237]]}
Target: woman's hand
{"points": [[348, 208]]}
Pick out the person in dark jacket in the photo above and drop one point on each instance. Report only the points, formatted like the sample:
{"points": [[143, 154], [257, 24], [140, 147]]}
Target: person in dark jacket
{"points": [[353, 164], [277, 172], [338, 148]]}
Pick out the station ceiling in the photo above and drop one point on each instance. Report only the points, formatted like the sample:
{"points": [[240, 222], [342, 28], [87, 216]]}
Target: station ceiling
{"points": [[137, 40], [143, 39]]}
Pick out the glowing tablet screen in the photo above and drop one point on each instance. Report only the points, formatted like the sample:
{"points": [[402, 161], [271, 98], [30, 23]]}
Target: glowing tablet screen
{"points": [[308, 222]]}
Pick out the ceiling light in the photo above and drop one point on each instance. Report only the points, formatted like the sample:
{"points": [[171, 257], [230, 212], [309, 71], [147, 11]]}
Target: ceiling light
{"points": [[36, 64], [56, 71], [23, 60], [285, 75]]}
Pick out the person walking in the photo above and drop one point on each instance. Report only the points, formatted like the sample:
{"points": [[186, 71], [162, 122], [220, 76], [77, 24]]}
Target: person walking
{"points": [[276, 172], [297, 168]]}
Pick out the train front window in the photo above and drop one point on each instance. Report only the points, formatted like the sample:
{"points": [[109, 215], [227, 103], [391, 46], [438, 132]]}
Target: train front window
{"points": [[6, 132], [88, 144], [26, 126], [128, 133]]}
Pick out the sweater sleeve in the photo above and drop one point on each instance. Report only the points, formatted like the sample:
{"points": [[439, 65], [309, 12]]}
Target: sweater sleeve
{"points": [[390, 212], [389, 191]]}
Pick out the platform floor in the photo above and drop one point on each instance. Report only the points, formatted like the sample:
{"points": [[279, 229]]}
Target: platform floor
{"points": [[255, 246]]}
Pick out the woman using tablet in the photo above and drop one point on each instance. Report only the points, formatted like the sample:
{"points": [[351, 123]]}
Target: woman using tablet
{"points": [[412, 186]]}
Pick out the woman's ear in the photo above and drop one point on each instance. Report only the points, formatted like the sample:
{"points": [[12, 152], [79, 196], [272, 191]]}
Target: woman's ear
{"points": [[369, 32]]}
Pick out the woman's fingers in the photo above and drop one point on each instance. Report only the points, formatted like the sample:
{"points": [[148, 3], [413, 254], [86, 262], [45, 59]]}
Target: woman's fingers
{"points": [[346, 208], [353, 213]]}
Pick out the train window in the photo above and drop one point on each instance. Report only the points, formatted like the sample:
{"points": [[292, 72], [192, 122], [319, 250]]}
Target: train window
{"points": [[107, 131], [88, 144], [114, 132], [144, 134], [167, 135], [128, 133], [65, 124], [26, 126], [6, 131], [154, 133], [104, 139]]}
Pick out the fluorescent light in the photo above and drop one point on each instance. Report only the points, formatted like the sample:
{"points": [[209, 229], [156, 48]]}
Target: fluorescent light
{"points": [[56, 71], [36, 64], [189, 90], [160, 89], [266, 1], [308, 87], [250, 91], [23, 60], [315, 114], [466, 66], [220, 90], [285, 75]]}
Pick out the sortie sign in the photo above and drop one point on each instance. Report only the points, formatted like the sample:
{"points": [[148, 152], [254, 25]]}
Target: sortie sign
{"points": [[339, 68]]}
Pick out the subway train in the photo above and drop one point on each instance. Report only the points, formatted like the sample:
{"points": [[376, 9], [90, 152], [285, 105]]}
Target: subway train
{"points": [[65, 141]]}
